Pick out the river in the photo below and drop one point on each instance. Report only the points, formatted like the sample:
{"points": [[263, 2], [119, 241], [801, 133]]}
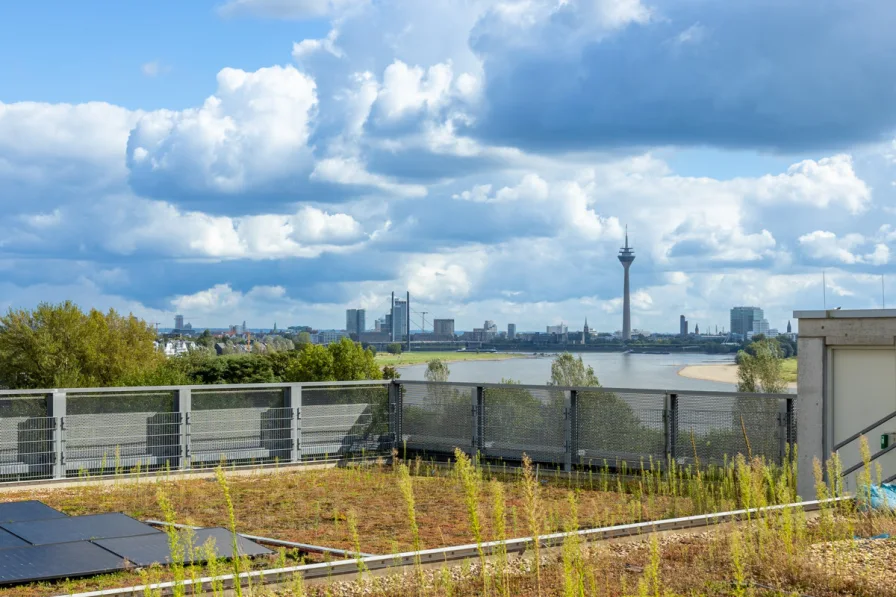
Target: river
{"points": [[614, 370]]}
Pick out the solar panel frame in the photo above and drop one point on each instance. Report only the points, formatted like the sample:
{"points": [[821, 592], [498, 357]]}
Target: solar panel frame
{"points": [[78, 528], [36, 563], [146, 550], [28, 510]]}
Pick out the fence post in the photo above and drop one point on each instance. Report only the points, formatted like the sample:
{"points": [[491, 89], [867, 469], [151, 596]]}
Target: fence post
{"points": [[57, 410], [478, 427], [571, 424], [671, 417], [784, 412], [791, 423], [185, 408], [395, 406], [294, 403]]}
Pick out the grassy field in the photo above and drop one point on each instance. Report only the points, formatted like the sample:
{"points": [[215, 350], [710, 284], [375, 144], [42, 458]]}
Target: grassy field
{"points": [[416, 358], [385, 508], [789, 369]]}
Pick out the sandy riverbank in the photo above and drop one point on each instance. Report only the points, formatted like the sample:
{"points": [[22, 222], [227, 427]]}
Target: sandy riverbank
{"points": [[722, 373]]}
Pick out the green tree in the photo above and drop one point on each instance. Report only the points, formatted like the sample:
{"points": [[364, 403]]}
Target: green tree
{"points": [[390, 372], [206, 339], [312, 363], [394, 348], [353, 363], [759, 368], [233, 369], [302, 339], [278, 344], [57, 346], [569, 371], [436, 370]]}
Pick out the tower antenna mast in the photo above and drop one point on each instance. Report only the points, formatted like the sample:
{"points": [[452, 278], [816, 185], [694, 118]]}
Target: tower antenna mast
{"points": [[626, 257]]}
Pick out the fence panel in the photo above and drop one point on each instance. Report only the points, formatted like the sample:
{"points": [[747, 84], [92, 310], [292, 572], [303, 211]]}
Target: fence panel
{"points": [[27, 444], [711, 428], [121, 442], [107, 432], [523, 420], [344, 422], [616, 427], [239, 426], [436, 418]]}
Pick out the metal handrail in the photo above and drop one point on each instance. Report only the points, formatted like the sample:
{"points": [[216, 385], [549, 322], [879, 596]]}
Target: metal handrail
{"points": [[222, 387], [874, 457], [856, 436], [688, 393], [271, 541], [134, 390]]}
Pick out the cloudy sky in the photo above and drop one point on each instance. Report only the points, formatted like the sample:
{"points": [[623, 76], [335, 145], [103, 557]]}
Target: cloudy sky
{"points": [[282, 160]]}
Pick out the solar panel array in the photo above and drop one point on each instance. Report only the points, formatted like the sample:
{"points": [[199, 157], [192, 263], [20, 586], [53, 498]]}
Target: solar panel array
{"points": [[39, 543]]}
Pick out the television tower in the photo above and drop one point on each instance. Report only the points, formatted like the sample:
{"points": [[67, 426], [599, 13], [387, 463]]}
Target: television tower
{"points": [[626, 256]]}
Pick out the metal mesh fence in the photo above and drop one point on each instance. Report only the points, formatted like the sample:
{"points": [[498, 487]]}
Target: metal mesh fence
{"points": [[102, 432], [711, 428], [517, 421], [240, 435], [437, 417], [138, 402], [113, 441], [342, 422], [238, 398], [616, 427], [27, 447]]}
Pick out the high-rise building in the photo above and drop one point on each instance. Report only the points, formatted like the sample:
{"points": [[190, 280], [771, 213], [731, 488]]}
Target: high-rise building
{"points": [[511, 331], [682, 326], [626, 257], [178, 322], [557, 329], [760, 326], [490, 326], [743, 320], [443, 327], [399, 323], [355, 321]]}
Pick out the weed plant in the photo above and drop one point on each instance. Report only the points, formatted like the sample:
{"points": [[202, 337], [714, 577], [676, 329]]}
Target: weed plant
{"points": [[787, 549]]}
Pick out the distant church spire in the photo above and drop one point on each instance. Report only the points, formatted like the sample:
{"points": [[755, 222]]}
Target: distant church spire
{"points": [[789, 328]]}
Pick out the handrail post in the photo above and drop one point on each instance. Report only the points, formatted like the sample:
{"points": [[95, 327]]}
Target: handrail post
{"points": [[791, 427], [478, 398], [185, 410], [570, 416], [294, 402], [57, 409], [783, 430], [395, 407], [671, 427]]}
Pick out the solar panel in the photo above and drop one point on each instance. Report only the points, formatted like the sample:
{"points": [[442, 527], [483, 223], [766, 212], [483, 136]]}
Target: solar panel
{"points": [[78, 528], [146, 550], [49, 562], [10, 540], [27, 510]]}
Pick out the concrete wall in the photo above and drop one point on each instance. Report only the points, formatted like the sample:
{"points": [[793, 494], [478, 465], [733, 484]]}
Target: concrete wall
{"points": [[832, 341]]}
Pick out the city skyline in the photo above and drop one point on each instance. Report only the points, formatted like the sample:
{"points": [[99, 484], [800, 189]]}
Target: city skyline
{"points": [[287, 160]]}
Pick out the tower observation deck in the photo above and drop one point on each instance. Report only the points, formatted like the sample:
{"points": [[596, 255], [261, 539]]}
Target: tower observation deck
{"points": [[626, 257]]}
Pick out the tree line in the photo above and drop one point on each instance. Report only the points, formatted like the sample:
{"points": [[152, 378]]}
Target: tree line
{"points": [[60, 346]]}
